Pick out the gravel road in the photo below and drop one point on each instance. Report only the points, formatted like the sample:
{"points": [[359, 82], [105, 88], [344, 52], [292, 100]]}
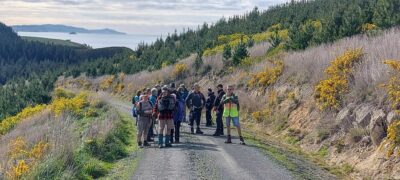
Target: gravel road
{"points": [[205, 157]]}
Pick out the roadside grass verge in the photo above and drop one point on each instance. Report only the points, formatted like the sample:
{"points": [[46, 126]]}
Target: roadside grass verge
{"points": [[97, 155], [301, 164]]}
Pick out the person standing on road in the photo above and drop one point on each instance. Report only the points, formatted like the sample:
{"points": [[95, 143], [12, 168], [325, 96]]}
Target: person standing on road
{"points": [[144, 110], [135, 100], [178, 115], [209, 106], [184, 93], [231, 113], [219, 108], [164, 109], [195, 102], [153, 100]]}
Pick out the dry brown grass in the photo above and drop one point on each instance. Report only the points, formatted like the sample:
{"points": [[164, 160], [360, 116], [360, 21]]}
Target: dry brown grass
{"points": [[61, 133], [310, 64], [57, 132]]}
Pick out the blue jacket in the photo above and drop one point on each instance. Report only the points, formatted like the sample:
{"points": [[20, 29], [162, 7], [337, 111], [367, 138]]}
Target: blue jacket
{"points": [[153, 100]]}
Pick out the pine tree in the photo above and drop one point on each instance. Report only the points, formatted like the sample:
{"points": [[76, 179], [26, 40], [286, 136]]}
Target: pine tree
{"points": [[198, 62], [240, 54], [227, 52]]}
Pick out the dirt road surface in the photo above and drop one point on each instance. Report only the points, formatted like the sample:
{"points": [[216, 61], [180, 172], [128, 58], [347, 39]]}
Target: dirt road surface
{"points": [[205, 157]]}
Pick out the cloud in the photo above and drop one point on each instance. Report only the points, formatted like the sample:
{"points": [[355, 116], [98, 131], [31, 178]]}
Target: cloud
{"points": [[126, 15]]}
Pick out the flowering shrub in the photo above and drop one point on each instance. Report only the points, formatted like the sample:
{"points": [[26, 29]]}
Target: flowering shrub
{"points": [[329, 92], [119, 87], [23, 158], [74, 105], [106, 83], [393, 90], [367, 27], [393, 86], [180, 70], [8, 123], [235, 39], [267, 77], [393, 138]]}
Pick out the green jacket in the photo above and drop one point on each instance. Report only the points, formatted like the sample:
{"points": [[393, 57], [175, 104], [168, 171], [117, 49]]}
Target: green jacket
{"points": [[231, 105]]}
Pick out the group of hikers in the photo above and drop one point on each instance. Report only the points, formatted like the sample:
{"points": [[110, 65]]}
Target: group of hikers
{"points": [[166, 106]]}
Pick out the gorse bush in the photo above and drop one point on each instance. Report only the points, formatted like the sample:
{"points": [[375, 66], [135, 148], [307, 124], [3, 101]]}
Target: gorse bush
{"points": [[393, 90], [394, 138], [329, 92], [234, 40], [73, 105], [393, 86], [8, 123], [267, 77], [180, 70], [106, 83], [23, 158]]}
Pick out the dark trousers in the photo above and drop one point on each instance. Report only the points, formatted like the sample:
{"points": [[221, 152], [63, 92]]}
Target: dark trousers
{"points": [[208, 118], [220, 124], [150, 134], [195, 116], [176, 132]]}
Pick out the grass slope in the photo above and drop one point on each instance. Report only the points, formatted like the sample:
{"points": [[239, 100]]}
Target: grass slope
{"points": [[53, 41]]}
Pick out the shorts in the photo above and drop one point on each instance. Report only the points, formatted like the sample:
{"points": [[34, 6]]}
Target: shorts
{"points": [[234, 119]]}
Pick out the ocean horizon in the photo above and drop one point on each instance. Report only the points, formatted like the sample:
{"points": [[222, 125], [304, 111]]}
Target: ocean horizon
{"points": [[97, 40]]}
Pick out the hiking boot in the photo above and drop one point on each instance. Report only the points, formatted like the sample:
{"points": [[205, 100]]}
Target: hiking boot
{"points": [[139, 143], [191, 130], [145, 143], [160, 146], [228, 140], [242, 140], [198, 131], [168, 141], [160, 140]]}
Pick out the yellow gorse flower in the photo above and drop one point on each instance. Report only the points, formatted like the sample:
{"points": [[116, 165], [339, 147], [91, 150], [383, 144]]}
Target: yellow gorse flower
{"points": [[23, 158], [329, 92], [267, 77], [180, 70], [74, 105], [8, 123]]}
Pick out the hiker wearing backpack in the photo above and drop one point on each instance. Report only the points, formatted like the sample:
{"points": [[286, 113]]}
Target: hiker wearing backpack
{"points": [[153, 100], [144, 110], [219, 108], [164, 109], [135, 100], [184, 94], [195, 102], [231, 113], [209, 105]]}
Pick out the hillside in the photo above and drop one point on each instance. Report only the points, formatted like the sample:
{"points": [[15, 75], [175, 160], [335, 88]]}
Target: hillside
{"points": [[52, 41], [317, 80], [29, 68], [353, 139], [61, 28]]}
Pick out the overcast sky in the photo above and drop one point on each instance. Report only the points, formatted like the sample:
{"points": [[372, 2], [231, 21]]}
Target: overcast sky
{"points": [[130, 16]]}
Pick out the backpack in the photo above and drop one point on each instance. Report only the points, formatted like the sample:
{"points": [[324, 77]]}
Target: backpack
{"points": [[141, 112], [134, 112], [166, 104]]}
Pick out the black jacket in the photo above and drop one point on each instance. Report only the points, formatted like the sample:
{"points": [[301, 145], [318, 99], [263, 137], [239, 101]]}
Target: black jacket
{"points": [[210, 101], [217, 103], [195, 100]]}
